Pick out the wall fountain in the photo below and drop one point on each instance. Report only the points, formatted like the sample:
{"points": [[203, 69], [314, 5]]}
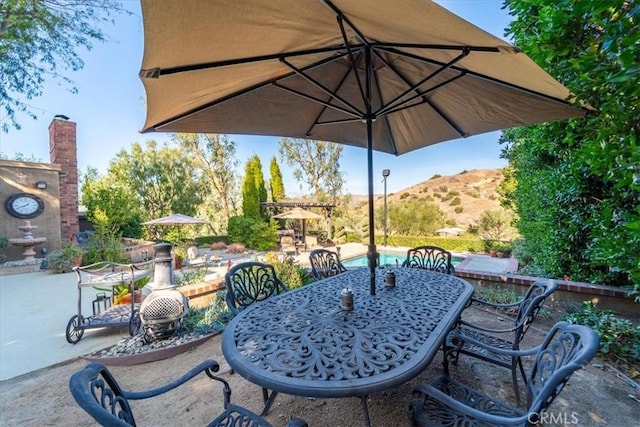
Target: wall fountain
{"points": [[28, 242]]}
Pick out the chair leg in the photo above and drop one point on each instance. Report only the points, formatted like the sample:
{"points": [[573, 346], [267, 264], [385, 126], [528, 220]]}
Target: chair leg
{"points": [[514, 377], [365, 409]]}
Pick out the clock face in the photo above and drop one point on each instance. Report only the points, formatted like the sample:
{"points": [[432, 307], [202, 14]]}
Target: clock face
{"points": [[24, 205]]}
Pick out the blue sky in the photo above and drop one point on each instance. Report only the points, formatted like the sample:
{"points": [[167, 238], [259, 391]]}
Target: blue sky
{"points": [[109, 110]]}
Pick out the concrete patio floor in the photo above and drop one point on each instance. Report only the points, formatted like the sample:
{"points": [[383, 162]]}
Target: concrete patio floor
{"points": [[35, 309]]}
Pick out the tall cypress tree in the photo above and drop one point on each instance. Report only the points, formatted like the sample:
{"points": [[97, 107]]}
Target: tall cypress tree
{"points": [[250, 196], [254, 190], [277, 185]]}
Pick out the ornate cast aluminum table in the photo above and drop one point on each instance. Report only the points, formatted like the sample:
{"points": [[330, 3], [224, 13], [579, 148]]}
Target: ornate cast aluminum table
{"points": [[302, 343]]}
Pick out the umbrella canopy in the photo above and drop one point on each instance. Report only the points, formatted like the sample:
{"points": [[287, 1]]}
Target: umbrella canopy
{"points": [[175, 219], [389, 76], [299, 213]]}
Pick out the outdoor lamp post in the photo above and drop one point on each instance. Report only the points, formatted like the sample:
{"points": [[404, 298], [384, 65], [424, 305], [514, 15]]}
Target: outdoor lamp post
{"points": [[385, 174]]}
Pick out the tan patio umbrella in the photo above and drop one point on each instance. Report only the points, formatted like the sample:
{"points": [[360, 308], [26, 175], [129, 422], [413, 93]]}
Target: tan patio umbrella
{"points": [[299, 213], [176, 219], [392, 76]]}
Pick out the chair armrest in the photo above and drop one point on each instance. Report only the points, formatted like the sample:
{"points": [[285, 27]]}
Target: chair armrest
{"points": [[484, 329], [508, 352], [208, 365], [450, 402]]}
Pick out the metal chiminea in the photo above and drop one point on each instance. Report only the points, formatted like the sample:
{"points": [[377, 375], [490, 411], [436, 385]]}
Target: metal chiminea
{"points": [[163, 309]]}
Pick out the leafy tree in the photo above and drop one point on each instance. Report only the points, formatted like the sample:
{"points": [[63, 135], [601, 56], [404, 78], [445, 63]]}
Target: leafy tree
{"points": [[413, 217], [253, 189], [214, 159], [38, 39], [277, 185], [317, 164], [113, 206], [577, 191], [163, 179], [494, 225]]}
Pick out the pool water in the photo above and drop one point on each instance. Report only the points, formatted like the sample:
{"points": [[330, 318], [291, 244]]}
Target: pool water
{"points": [[388, 258]]}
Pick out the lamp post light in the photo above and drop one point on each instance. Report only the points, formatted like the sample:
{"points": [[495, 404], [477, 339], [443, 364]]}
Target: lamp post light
{"points": [[385, 174]]}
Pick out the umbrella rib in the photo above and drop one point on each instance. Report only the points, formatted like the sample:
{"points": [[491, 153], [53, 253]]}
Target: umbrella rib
{"points": [[324, 108], [387, 125], [157, 72], [394, 103], [319, 86], [314, 99], [476, 75], [340, 18]]}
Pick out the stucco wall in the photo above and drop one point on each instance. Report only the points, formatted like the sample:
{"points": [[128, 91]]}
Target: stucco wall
{"points": [[21, 177]]}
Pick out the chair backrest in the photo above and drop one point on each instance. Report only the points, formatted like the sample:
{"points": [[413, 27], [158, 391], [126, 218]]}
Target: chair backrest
{"points": [[530, 306], [250, 282], [565, 349], [429, 258], [325, 263], [98, 393]]}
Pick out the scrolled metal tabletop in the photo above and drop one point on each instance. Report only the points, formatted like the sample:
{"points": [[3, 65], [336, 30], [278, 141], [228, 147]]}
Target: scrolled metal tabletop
{"points": [[303, 343]]}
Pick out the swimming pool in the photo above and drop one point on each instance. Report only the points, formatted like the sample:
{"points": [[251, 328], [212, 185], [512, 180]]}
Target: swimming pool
{"points": [[388, 258]]}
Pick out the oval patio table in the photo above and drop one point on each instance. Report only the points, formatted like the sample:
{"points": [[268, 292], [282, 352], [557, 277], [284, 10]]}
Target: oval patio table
{"points": [[302, 343]]}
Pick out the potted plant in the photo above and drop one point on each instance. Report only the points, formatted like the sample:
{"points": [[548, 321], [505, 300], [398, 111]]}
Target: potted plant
{"points": [[179, 254]]}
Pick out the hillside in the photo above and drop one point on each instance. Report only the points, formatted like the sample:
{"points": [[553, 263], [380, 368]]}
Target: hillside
{"points": [[475, 189]]}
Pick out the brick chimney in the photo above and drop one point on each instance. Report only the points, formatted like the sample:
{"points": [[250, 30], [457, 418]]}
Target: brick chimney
{"points": [[62, 151]]}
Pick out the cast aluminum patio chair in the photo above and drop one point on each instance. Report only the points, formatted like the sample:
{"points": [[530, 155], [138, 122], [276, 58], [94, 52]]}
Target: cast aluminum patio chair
{"points": [[429, 258], [325, 263], [97, 392], [250, 282], [445, 401], [463, 338]]}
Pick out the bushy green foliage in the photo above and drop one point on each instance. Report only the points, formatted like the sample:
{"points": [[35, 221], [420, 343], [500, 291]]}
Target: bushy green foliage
{"points": [[208, 319], [105, 245], [435, 176], [577, 182], [619, 337], [459, 209], [456, 201], [253, 233], [412, 217], [288, 270], [455, 244], [59, 261], [190, 277]]}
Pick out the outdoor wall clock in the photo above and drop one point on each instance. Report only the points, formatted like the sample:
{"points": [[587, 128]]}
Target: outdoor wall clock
{"points": [[24, 205]]}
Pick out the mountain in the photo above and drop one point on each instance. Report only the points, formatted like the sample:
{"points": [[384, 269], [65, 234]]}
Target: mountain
{"points": [[463, 196]]}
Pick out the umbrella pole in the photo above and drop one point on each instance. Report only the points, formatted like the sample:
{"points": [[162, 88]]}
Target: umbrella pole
{"points": [[371, 252]]}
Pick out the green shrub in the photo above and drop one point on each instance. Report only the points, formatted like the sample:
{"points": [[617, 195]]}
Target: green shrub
{"points": [[58, 262], [253, 233], [619, 337], [455, 244], [404, 195], [208, 319], [291, 274], [459, 209], [455, 202]]}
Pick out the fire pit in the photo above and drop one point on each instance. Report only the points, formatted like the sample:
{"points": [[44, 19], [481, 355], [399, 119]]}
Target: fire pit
{"points": [[163, 309]]}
